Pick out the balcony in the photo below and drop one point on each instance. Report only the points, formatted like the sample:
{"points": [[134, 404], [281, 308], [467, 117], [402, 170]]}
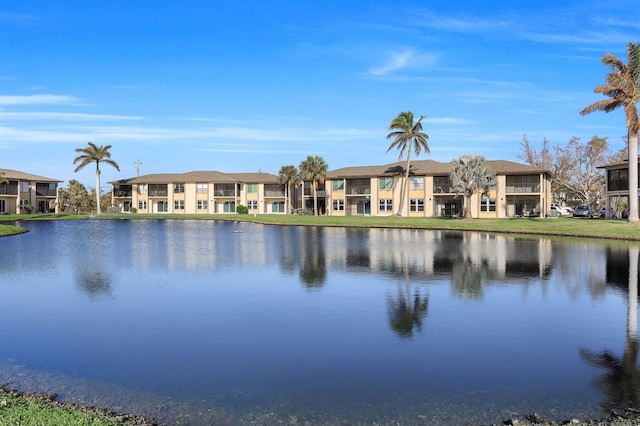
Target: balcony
{"points": [[8, 190], [224, 193], [123, 194], [274, 193], [162, 193], [443, 189], [319, 193], [523, 189], [45, 192], [359, 190]]}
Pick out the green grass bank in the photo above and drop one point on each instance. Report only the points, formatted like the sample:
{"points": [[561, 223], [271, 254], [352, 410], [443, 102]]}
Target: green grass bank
{"points": [[563, 226]]}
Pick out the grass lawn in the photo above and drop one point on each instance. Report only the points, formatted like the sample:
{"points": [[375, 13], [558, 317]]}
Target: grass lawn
{"points": [[563, 226], [35, 409]]}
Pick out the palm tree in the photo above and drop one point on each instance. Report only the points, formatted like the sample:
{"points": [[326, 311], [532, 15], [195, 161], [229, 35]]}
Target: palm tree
{"points": [[407, 136], [288, 175], [314, 170], [469, 176], [3, 179], [623, 90], [95, 154]]}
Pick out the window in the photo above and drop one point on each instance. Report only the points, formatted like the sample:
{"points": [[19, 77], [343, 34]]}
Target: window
{"points": [[3, 207], [618, 180], [142, 189], [416, 183], [338, 185], [416, 205], [178, 188], [24, 186], [142, 204], [338, 205], [229, 206], [202, 188], [203, 204], [386, 205], [252, 188], [178, 205], [252, 204], [488, 205], [163, 206], [277, 207], [386, 183], [24, 203]]}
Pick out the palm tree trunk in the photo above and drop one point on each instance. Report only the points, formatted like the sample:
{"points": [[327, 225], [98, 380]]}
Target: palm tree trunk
{"points": [[633, 177], [315, 198], [404, 204], [467, 207], [289, 201], [97, 189]]}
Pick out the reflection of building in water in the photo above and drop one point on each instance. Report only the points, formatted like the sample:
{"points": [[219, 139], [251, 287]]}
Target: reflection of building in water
{"points": [[432, 254]]}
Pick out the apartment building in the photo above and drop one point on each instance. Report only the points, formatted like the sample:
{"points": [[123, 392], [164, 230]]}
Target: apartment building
{"points": [[21, 192], [200, 192], [522, 191]]}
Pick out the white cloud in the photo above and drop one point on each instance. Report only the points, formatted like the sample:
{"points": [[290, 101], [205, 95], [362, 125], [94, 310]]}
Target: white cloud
{"points": [[406, 58], [63, 116], [37, 99]]}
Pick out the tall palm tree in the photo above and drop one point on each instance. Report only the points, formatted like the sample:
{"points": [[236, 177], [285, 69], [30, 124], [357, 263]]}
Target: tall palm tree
{"points": [[623, 91], [288, 175], [470, 175], [95, 154], [407, 136], [314, 170]]}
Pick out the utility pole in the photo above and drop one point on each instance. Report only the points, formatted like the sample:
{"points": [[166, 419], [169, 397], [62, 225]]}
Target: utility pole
{"points": [[137, 163]]}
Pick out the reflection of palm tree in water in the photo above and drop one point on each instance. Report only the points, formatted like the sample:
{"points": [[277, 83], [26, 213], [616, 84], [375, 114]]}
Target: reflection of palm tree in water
{"points": [[621, 381], [405, 312], [467, 277], [313, 271]]}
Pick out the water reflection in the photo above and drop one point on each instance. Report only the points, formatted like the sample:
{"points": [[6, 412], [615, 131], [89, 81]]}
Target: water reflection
{"points": [[620, 381], [308, 317]]}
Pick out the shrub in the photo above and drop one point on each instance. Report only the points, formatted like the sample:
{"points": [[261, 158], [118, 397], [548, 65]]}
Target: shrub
{"points": [[133, 210], [28, 208], [113, 209], [242, 209]]}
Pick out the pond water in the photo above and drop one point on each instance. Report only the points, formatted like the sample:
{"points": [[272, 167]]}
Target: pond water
{"points": [[204, 322]]}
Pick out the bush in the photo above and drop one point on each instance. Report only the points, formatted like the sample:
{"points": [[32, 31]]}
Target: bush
{"points": [[113, 209], [28, 208], [242, 209], [133, 210]]}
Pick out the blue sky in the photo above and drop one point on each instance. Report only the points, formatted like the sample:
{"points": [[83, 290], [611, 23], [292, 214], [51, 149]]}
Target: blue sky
{"points": [[251, 86]]}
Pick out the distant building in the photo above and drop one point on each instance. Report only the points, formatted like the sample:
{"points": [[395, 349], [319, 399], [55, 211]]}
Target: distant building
{"points": [[200, 192], [522, 191], [20, 192]]}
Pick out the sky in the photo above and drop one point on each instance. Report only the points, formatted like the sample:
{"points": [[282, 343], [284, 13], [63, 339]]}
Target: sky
{"points": [[252, 86]]}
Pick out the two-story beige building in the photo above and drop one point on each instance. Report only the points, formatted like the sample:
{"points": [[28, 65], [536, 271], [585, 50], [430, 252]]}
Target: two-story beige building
{"points": [[522, 190], [20, 192], [617, 188], [200, 192]]}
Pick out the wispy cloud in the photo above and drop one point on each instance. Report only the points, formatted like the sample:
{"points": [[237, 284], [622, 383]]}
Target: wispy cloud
{"points": [[63, 116], [406, 58], [37, 99]]}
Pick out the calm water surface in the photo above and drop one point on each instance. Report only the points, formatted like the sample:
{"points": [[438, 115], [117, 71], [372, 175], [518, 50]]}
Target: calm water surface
{"points": [[200, 322]]}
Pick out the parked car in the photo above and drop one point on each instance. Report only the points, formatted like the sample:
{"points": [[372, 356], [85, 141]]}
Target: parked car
{"points": [[559, 210], [582, 210], [603, 212]]}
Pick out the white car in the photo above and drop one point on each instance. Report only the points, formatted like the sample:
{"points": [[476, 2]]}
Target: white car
{"points": [[561, 211]]}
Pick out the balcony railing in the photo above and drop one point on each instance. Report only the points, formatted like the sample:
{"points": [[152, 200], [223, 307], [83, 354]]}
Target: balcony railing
{"points": [[46, 192], [443, 189], [274, 193], [359, 190], [527, 189], [319, 193], [224, 193], [157, 193], [8, 190], [123, 193]]}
